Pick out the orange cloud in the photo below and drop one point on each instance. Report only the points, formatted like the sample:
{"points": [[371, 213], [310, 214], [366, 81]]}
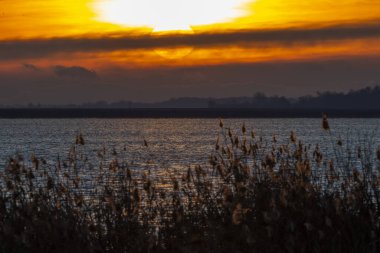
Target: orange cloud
{"points": [[59, 32]]}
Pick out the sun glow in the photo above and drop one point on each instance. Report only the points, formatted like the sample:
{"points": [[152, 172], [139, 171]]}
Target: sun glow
{"points": [[168, 15]]}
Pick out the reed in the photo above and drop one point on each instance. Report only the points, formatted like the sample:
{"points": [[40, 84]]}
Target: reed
{"points": [[253, 197]]}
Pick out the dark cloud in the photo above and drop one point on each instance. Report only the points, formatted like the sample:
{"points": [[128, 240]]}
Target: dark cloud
{"points": [[31, 67], [259, 38], [74, 72], [281, 78]]}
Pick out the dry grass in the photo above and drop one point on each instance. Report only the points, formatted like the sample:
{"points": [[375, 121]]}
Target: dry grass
{"points": [[253, 197]]}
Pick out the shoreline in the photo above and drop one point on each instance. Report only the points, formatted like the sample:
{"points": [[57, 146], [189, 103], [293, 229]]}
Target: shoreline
{"points": [[64, 113]]}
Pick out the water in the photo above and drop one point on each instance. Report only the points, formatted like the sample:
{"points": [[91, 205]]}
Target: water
{"points": [[175, 143]]}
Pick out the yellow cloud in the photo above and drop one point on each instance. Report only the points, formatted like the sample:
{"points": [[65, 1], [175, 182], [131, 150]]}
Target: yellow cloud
{"points": [[41, 19], [54, 18]]}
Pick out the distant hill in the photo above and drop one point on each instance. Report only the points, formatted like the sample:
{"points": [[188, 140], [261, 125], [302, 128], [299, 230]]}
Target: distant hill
{"points": [[367, 98], [364, 99]]}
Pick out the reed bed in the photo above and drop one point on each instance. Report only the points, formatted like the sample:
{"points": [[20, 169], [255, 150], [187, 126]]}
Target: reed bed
{"points": [[252, 197]]}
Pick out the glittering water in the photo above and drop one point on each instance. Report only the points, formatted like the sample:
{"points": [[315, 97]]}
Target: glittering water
{"points": [[171, 142]]}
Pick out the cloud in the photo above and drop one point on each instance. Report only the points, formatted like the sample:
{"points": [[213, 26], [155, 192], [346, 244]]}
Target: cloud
{"points": [[293, 78], [74, 72], [31, 67], [37, 48]]}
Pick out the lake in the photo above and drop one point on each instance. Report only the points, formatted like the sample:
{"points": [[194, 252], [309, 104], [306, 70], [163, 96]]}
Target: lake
{"points": [[175, 143]]}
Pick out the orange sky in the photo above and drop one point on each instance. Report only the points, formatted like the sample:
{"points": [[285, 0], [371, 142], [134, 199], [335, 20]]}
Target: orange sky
{"points": [[75, 33], [39, 19]]}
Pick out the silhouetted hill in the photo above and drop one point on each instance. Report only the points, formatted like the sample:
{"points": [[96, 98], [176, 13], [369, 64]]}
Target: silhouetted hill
{"points": [[367, 98], [364, 99]]}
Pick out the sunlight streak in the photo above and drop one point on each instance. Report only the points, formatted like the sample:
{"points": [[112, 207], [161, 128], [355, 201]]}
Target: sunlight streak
{"points": [[168, 15]]}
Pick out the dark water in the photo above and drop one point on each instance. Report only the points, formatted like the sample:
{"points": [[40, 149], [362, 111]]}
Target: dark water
{"points": [[172, 142]]}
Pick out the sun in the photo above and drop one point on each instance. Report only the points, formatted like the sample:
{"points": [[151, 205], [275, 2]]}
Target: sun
{"points": [[168, 15]]}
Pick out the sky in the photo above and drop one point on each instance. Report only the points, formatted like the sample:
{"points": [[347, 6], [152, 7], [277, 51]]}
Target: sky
{"points": [[78, 51]]}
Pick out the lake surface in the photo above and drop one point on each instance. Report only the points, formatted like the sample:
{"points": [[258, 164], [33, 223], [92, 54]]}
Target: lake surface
{"points": [[174, 143]]}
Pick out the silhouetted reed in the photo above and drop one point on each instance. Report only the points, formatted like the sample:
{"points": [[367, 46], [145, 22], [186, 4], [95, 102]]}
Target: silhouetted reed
{"points": [[253, 197]]}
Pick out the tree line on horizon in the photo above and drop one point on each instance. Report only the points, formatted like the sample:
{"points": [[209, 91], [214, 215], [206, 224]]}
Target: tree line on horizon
{"points": [[366, 98], [363, 99]]}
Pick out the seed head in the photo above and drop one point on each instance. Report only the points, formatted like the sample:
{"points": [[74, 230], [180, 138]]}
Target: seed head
{"points": [[217, 146], [129, 174], [35, 161], [293, 137], [325, 122], [221, 123], [331, 165], [79, 140], [50, 183], [237, 214], [236, 141]]}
